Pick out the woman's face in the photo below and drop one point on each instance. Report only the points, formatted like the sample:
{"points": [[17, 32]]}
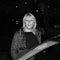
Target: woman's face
{"points": [[29, 23]]}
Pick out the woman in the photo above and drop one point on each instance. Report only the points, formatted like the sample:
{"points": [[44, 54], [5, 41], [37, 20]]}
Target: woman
{"points": [[26, 38]]}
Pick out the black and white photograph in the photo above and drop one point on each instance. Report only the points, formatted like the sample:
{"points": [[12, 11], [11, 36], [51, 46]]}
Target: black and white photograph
{"points": [[30, 30]]}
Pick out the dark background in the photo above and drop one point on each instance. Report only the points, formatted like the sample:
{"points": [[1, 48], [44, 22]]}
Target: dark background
{"points": [[47, 13]]}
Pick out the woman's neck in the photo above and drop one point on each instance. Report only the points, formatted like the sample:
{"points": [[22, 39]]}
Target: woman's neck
{"points": [[29, 30]]}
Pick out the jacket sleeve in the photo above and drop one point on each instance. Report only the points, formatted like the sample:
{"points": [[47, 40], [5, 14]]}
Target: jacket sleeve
{"points": [[18, 47], [14, 47]]}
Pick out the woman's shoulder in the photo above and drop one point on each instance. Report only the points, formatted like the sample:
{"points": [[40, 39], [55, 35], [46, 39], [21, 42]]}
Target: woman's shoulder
{"points": [[19, 32], [40, 31]]}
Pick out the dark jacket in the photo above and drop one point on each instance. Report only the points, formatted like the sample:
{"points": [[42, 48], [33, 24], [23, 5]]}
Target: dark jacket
{"points": [[18, 46]]}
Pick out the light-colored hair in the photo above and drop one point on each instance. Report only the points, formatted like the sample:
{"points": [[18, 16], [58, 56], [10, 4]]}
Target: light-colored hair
{"points": [[29, 15]]}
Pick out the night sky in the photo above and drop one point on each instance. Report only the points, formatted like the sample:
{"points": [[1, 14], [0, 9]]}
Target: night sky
{"points": [[47, 13]]}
